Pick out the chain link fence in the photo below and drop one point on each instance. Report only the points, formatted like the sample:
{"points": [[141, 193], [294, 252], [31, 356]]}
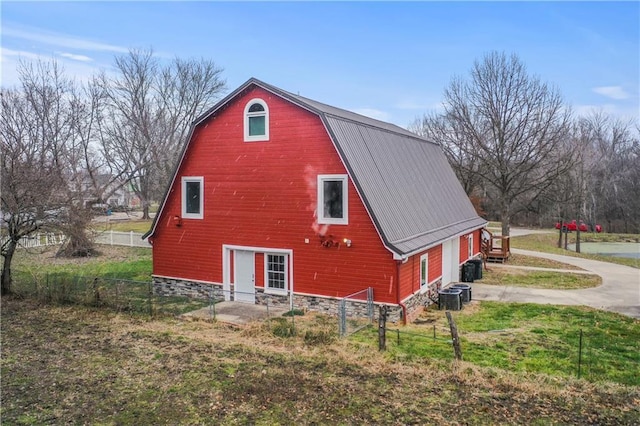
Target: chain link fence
{"points": [[121, 295], [355, 312]]}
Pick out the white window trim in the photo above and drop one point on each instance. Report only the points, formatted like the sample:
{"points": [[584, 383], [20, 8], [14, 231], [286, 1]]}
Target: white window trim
{"points": [[279, 291], [470, 252], [185, 180], [247, 114], [345, 201], [425, 258]]}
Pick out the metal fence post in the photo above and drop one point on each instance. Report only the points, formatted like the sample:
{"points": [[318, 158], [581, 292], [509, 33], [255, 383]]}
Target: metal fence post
{"points": [[150, 298], [580, 354]]}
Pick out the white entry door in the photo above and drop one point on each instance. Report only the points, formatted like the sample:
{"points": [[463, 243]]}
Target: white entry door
{"points": [[446, 263], [450, 261], [245, 276], [455, 259]]}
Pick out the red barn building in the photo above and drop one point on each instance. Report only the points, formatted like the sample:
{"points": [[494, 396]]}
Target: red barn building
{"points": [[279, 196]]}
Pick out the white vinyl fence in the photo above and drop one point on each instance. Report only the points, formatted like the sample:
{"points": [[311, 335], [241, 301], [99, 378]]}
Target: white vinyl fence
{"points": [[112, 238], [39, 240]]}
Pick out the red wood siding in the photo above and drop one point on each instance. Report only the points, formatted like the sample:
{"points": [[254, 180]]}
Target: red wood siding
{"points": [[263, 194], [435, 263], [464, 245], [259, 269], [410, 271]]}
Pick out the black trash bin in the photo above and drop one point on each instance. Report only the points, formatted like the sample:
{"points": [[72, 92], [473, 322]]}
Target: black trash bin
{"points": [[477, 263], [450, 299], [466, 292], [468, 272]]}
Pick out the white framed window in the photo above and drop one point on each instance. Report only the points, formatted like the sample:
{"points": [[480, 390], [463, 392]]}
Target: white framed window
{"points": [[256, 121], [275, 273], [333, 200], [424, 269], [192, 197], [470, 246]]}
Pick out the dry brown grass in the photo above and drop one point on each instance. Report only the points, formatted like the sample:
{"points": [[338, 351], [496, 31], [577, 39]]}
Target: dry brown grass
{"points": [[76, 365], [522, 260]]}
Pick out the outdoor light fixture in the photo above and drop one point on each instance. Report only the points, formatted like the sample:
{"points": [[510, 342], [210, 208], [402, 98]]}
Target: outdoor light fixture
{"points": [[177, 220], [329, 241]]}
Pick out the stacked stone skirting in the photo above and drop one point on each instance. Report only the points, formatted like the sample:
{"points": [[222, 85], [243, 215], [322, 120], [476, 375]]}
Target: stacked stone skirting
{"points": [[414, 304]]}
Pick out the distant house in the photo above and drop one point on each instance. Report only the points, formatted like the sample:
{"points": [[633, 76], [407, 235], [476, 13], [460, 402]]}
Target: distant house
{"points": [[280, 196], [108, 190]]}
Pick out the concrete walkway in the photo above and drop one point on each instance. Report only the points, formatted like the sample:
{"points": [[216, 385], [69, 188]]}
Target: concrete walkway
{"points": [[238, 313], [619, 292]]}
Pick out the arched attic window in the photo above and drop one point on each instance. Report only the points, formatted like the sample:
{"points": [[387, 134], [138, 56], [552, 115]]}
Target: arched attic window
{"points": [[256, 121]]}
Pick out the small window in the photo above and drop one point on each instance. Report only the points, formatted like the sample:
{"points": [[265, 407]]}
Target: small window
{"points": [[424, 269], [192, 197], [276, 273], [470, 245], [332, 199], [256, 121]]}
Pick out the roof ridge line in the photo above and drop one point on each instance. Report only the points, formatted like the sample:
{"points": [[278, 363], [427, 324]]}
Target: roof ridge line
{"points": [[412, 135]]}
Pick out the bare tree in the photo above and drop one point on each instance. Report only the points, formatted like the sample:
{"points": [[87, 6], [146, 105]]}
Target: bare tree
{"points": [[612, 185], [150, 108], [31, 129], [508, 127]]}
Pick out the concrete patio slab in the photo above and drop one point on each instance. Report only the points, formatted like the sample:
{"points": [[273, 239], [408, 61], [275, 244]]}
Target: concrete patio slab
{"points": [[237, 313]]}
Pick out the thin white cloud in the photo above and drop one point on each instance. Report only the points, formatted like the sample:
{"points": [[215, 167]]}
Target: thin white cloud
{"points": [[372, 113], [19, 54], [59, 40], [75, 57], [10, 59], [613, 92]]}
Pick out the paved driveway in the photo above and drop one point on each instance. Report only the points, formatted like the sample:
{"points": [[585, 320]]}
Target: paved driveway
{"points": [[619, 292]]}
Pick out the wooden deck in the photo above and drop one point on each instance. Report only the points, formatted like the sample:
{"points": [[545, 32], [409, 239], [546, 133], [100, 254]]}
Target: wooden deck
{"points": [[495, 249]]}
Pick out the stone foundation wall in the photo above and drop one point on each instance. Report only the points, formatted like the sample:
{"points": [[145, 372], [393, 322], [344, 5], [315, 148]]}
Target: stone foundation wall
{"points": [[177, 287], [416, 303], [327, 305]]}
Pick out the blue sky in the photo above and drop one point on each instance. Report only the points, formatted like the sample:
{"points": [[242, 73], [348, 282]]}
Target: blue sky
{"points": [[389, 60]]}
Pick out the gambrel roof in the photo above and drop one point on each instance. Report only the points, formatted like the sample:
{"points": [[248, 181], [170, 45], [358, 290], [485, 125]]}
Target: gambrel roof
{"points": [[406, 183]]}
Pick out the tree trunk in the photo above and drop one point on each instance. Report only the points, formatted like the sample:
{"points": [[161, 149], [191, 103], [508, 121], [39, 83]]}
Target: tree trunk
{"points": [[145, 211], [560, 233], [6, 268], [505, 217]]}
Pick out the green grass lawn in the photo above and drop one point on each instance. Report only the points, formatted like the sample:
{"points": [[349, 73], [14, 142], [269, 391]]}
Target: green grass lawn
{"points": [[131, 263], [141, 226], [527, 338], [539, 279]]}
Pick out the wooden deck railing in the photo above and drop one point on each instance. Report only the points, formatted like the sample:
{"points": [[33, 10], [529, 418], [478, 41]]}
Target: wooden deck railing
{"points": [[495, 248]]}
